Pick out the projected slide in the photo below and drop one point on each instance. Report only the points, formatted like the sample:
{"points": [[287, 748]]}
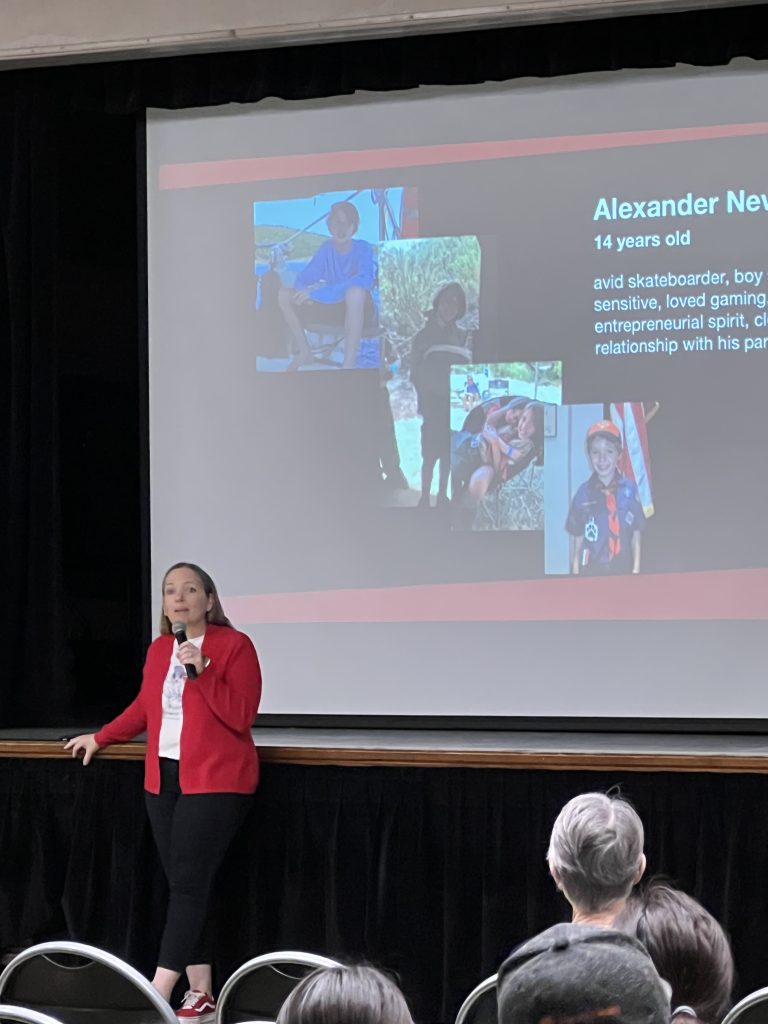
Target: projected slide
{"points": [[478, 381]]}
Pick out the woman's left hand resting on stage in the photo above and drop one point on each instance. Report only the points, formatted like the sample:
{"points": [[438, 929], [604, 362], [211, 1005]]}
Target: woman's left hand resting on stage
{"points": [[83, 746]]}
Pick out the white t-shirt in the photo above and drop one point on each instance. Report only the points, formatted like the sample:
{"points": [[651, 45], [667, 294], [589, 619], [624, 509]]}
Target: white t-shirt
{"points": [[173, 690]]}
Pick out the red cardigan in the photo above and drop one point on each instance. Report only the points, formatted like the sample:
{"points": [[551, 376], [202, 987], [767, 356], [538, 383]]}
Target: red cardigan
{"points": [[217, 750]]}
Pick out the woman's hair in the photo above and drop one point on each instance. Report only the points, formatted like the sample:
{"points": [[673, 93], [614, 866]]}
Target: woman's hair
{"points": [[688, 947], [452, 288], [536, 410], [348, 211], [215, 615], [345, 995]]}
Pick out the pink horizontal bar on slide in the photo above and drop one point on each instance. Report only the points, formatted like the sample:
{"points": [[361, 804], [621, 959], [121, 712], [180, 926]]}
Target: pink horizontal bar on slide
{"points": [[302, 165], [721, 594]]}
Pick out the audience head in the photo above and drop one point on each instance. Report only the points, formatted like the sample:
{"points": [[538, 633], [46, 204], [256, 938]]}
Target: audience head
{"points": [[580, 974], [596, 855], [688, 947], [345, 995]]}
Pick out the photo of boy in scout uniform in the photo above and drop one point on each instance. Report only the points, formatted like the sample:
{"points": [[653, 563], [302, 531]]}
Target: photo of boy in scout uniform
{"points": [[606, 518]]}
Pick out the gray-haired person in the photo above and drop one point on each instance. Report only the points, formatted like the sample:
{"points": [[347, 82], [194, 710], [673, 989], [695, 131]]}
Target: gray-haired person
{"points": [[596, 855]]}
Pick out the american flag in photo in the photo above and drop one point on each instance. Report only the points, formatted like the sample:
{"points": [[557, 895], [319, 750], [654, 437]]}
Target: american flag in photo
{"points": [[629, 417]]}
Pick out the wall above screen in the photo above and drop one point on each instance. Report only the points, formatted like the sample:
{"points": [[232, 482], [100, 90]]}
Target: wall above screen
{"points": [[78, 32]]}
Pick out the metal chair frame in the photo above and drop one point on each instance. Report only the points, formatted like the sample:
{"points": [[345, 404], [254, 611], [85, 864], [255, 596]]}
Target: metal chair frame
{"points": [[474, 996], [100, 956], [760, 995], [20, 1015], [275, 960]]}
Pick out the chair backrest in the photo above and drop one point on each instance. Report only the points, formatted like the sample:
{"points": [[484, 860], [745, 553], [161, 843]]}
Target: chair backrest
{"points": [[480, 1006], [752, 1009], [19, 1015], [79, 983], [258, 989]]}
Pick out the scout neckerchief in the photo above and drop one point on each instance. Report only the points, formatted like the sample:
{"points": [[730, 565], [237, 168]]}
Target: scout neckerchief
{"points": [[614, 537]]}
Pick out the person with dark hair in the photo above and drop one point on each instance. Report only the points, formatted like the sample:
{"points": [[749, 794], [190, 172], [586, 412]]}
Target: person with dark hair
{"points": [[197, 702], [606, 518], [334, 289], [504, 449], [581, 974], [688, 947], [345, 995], [468, 445], [508, 415], [438, 345]]}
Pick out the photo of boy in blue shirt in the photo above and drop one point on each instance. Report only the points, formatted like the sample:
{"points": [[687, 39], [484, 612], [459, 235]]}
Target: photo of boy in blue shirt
{"points": [[334, 289], [606, 518]]}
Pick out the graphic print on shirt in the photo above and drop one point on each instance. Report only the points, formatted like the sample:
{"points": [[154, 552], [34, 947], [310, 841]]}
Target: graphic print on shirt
{"points": [[173, 688]]}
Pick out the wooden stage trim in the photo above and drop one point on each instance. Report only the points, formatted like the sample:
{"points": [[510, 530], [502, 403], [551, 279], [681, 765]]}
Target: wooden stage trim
{"points": [[400, 758]]}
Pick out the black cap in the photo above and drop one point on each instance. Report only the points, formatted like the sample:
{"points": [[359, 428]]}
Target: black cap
{"points": [[581, 974]]}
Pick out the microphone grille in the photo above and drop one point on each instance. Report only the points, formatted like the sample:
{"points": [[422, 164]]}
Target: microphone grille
{"points": [[177, 628]]}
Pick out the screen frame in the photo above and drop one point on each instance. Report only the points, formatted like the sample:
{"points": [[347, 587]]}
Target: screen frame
{"points": [[503, 723]]}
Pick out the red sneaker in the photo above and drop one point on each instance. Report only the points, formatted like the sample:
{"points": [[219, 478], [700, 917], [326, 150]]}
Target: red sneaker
{"points": [[197, 1008]]}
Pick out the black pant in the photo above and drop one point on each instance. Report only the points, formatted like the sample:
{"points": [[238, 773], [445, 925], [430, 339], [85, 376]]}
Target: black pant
{"points": [[192, 832]]}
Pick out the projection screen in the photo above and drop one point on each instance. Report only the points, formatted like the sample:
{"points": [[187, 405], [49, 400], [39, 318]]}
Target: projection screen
{"points": [[459, 394]]}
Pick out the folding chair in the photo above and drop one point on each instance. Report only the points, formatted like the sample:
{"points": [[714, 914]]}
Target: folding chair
{"points": [[480, 1006], [19, 1015], [258, 989], [752, 1009], [79, 983]]}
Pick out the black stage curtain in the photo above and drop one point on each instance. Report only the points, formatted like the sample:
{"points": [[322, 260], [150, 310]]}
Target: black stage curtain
{"points": [[433, 873], [72, 310]]}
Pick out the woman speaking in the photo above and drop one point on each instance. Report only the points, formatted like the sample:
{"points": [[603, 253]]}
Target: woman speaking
{"points": [[199, 696]]}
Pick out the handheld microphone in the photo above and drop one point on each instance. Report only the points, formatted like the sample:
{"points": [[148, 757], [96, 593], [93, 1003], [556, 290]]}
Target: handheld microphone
{"points": [[178, 630]]}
